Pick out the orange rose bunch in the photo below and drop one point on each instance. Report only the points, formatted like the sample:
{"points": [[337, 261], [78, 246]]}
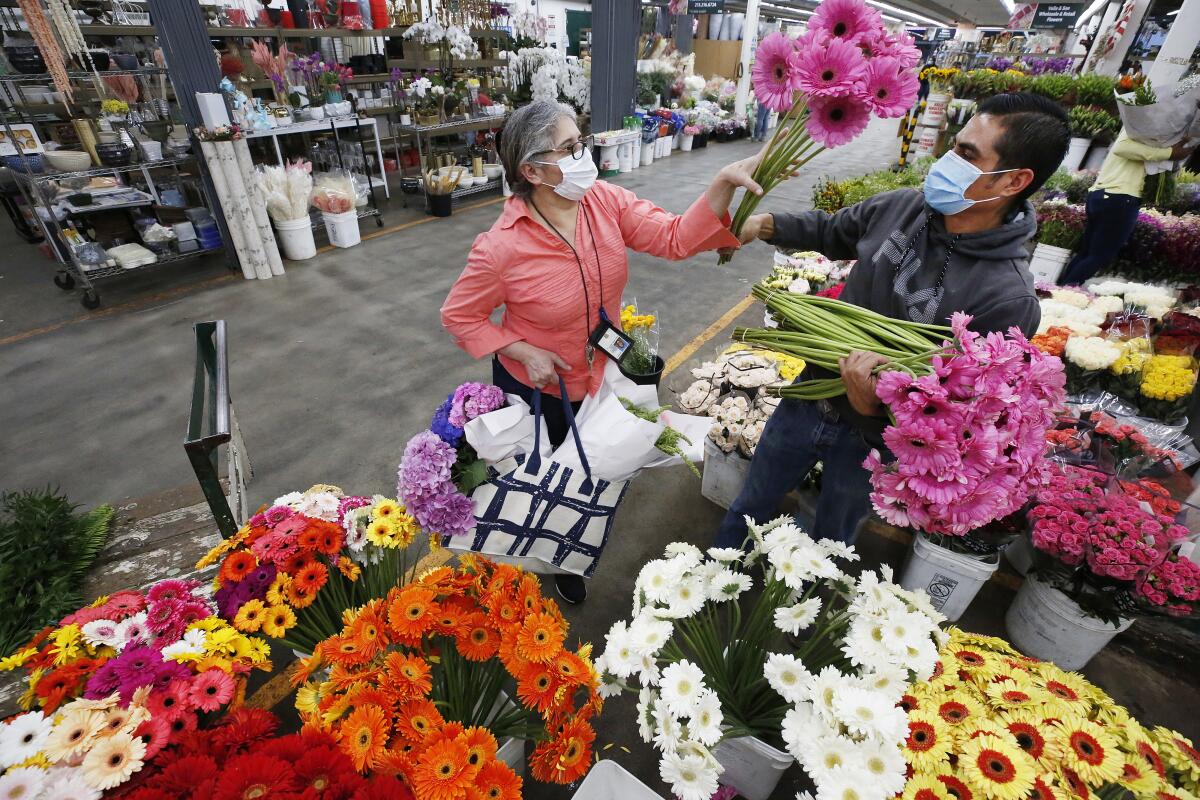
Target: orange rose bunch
{"points": [[1053, 342], [428, 682]]}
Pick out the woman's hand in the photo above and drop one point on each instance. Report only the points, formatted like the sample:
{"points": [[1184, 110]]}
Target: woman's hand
{"points": [[542, 366], [858, 373]]}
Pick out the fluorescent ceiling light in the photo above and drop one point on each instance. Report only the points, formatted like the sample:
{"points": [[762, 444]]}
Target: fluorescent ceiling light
{"points": [[906, 13], [1172, 13], [1009, 5]]}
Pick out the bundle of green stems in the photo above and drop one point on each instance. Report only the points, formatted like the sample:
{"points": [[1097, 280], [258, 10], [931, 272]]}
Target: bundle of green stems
{"points": [[822, 330], [790, 149]]}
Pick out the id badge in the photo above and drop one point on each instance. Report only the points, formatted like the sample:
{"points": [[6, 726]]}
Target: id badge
{"points": [[610, 340]]}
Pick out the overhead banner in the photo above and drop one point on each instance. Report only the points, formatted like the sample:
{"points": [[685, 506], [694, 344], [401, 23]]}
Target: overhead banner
{"points": [[1056, 15], [705, 6]]}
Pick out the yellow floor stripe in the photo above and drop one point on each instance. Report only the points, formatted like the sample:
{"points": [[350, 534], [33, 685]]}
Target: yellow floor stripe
{"points": [[723, 322]]}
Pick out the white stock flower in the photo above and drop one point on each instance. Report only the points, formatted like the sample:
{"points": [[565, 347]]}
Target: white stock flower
{"points": [[787, 676], [705, 723], [691, 776], [869, 713], [682, 683], [728, 585], [793, 619], [667, 730]]}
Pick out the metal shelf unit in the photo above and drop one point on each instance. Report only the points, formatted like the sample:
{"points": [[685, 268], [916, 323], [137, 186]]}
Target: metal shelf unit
{"points": [[421, 133]]}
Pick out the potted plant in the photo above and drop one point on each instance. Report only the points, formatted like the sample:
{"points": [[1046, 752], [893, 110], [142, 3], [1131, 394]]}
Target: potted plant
{"points": [[1105, 130], [940, 81], [689, 134], [1083, 121], [641, 363], [1060, 227]]}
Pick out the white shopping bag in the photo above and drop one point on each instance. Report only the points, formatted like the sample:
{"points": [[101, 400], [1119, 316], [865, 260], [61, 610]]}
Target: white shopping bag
{"points": [[505, 432], [691, 426]]}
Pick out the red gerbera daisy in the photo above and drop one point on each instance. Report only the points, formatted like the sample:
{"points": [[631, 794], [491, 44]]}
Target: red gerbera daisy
{"points": [[254, 777]]}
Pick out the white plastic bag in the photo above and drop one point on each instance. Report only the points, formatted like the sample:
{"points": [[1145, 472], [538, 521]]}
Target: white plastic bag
{"points": [[694, 428], [505, 432]]}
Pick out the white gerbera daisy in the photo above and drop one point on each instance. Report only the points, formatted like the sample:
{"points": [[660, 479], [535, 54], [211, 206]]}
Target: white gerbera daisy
{"points": [[610, 686], [24, 737], [657, 580], [866, 642], [728, 585], [726, 555], [132, 629], [101, 633], [885, 764], [869, 713], [837, 549], [650, 673], [667, 730], [887, 679], [787, 676], [22, 784], [848, 784], [293, 499], [320, 505], [682, 683], [688, 555], [192, 644], [689, 597], [798, 725], [825, 751], [67, 783], [787, 536], [705, 723], [786, 569], [645, 714], [822, 688], [691, 776], [649, 635], [793, 619], [619, 655], [814, 562]]}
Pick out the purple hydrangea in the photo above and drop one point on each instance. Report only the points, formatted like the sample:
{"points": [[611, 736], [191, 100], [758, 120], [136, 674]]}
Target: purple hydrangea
{"points": [[446, 511], [472, 400], [426, 465], [447, 431]]}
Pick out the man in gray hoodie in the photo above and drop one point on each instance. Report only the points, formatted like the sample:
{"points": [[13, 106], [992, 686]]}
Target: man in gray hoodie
{"points": [[958, 245]]}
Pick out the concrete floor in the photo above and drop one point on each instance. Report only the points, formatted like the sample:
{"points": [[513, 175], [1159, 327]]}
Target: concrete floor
{"points": [[336, 364]]}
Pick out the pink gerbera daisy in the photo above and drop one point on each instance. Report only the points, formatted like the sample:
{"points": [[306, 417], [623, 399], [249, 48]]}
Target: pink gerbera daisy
{"points": [[835, 121], [851, 20], [774, 84], [888, 88], [211, 689], [834, 70], [903, 48]]}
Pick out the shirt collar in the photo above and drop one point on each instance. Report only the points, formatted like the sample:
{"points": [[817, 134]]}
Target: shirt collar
{"points": [[514, 209]]}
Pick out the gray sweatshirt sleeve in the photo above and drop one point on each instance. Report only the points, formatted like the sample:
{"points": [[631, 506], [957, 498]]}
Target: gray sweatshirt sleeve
{"points": [[835, 235], [1024, 312]]}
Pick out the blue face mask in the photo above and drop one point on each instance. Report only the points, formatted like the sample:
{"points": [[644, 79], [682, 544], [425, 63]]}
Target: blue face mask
{"points": [[949, 179]]}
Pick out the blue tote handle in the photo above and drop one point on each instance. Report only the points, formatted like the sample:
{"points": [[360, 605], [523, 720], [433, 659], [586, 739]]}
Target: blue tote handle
{"points": [[534, 462]]}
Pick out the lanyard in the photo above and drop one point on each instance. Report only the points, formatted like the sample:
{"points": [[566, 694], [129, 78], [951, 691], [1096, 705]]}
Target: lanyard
{"points": [[602, 316]]}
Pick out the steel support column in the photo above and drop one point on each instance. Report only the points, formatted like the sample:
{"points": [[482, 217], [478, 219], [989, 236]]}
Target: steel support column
{"points": [[614, 52], [683, 33]]}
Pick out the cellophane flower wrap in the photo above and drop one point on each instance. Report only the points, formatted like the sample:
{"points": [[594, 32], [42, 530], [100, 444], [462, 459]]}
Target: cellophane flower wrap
{"points": [[993, 723], [296, 564], [116, 682], [712, 661], [968, 439], [423, 682], [440, 469], [1112, 546], [826, 85]]}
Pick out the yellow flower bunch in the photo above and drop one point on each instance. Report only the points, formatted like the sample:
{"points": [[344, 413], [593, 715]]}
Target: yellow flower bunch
{"points": [[632, 320], [996, 725], [1134, 355], [1168, 377], [111, 106], [789, 367], [390, 525]]}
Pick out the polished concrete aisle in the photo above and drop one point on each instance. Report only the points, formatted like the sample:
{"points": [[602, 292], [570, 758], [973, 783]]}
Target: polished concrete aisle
{"points": [[338, 363]]}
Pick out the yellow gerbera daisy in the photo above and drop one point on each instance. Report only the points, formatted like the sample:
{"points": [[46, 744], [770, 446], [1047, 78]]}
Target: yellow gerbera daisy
{"points": [[1015, 693], [308, 698], [385, 508], [1089, 751], [278, 621], [250, 616], [277, 593], [929, 741], [1032, 733], [924, 786], [1180, 755], [17, 659], [996, 768]]}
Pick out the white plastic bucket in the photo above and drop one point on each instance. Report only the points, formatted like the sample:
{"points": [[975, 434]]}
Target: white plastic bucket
{"points": [[925, 142], [1076, 150], [752, 766], [1044, 623], [625, 156], [676, 139], [648, 152], [1048, 262], [663, 145], [935, 109], [724, 474], [685, 143], [1095, 158], [295, 238], [608, 780], [609, 160], [950, 579], [342, 228], [1019, 554], [512, 752]]}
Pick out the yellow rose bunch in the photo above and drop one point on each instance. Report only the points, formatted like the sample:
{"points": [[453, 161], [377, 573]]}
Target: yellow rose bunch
{"points": [[1168, 377], [1134, 355], [994, 724]]}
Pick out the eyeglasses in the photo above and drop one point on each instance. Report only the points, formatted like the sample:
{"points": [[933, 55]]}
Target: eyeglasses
{"points": [[576, 150]]}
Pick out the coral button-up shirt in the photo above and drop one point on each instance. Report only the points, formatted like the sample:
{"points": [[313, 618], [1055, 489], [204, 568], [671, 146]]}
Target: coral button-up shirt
{"points": [[531, 272]]}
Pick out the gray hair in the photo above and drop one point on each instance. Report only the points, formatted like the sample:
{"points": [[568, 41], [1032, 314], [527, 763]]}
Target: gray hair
{"points": [[529, 131]]}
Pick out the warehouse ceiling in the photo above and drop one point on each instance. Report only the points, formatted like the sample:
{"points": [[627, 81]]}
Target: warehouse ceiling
{"points": [[913, 12]]}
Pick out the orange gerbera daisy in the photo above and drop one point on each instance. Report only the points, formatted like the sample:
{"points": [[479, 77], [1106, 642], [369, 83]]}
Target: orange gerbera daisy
{"points": [[364, 735], [368, 630], [529, 594], [497, 781], [417, 719], [368, 695], [481, 746], [237, 565], [330, 536], [312, 577], [507, 652], [396, 760], [439, 579], [309, 538], [540, 638], [449, 619], [344, 651], [408, 675], [299, 562], [572, 669], [412, 612], [442, 771], [300, 596], [505, 611], [349, 568], [478, 640], [538, 687], [567, 756]]}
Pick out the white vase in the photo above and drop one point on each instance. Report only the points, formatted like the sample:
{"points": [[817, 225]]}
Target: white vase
{"points": [[714, 25], [751, 766], [1076, 150], [935, 109], [316, 113], [1044, 623], [950, 579], [1048, 262], [685, 143]]}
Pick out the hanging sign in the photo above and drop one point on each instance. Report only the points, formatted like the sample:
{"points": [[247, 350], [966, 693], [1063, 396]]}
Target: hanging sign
{"points": [[705, 6], [1056, 15]]}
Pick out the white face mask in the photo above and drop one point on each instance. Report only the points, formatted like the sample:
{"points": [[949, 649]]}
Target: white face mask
{"points": [[578, 175]]}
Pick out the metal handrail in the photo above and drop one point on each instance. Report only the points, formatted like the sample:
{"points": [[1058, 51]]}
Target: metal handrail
{"points": [[211, 409]]}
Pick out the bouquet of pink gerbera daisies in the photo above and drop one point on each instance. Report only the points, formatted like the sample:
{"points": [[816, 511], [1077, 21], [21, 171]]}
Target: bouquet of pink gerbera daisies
{"points": [[826, 85]]}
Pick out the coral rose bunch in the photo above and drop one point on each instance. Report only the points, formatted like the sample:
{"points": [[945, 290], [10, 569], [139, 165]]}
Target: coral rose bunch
{"points": [[292, 569], [426, 682], [826, 85]]}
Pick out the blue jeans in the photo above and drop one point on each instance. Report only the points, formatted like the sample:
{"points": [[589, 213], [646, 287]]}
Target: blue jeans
{"points": [[1110, 222], [798, 435], [761, 118]]}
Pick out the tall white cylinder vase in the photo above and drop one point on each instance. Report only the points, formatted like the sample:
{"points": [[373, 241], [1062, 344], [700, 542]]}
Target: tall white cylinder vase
{"points": [[258, 205], [209, 151], [1076, 150]]}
